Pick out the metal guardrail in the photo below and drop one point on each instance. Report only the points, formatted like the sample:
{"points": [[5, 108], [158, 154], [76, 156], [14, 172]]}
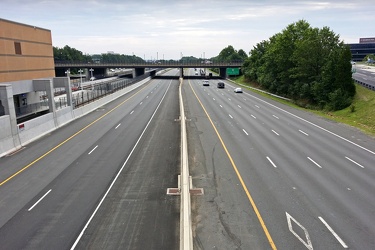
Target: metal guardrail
{"points": [[366, 85]]}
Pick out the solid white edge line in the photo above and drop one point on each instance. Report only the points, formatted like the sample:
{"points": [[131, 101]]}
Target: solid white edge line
{"points": [[354, 162], [41, 198], [92, 150], [333, 232], [273, 164], [313, 124], [118, 174], [313, 162]]}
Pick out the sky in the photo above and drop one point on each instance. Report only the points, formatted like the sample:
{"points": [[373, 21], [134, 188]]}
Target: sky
{"points": [[169, 29]]}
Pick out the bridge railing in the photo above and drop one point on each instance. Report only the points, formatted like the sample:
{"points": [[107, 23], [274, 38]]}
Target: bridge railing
{"points": [[198, 64]]}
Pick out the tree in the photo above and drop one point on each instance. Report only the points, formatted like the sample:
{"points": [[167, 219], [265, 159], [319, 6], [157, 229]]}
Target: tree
{"points": [[229, 54], [68, 54]]}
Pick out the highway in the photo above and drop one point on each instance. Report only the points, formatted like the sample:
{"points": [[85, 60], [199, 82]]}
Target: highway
{"points": [[273, 177], [365, 74], [311, 181], [104, 169]]}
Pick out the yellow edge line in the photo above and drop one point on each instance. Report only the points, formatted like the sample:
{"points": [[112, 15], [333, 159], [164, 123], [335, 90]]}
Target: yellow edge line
{"points": [[65, 141], [273, 246]]}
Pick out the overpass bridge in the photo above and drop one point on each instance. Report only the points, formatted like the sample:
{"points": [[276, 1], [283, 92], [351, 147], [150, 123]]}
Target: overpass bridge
{"points": [[139, 68]]}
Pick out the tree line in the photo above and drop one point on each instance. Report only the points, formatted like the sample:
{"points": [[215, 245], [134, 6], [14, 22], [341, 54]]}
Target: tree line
{"points": [[309, 65], [68, 54]]}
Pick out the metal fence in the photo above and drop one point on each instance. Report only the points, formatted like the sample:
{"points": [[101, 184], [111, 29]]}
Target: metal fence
{"points": [[92, 92]]}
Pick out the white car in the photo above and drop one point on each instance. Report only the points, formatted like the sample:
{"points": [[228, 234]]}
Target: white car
{"points": [[237, 90], [206, 83]]}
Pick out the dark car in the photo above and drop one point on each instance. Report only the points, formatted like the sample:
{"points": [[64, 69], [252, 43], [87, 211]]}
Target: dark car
{"points": [[221, 85]]}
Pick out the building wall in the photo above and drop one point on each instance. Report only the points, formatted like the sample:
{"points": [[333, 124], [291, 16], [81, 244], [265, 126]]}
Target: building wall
{"points": [[361, 50], [26, 52]]}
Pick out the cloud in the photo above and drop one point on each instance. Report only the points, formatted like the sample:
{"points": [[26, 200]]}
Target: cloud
{"points": [[192, 27]]}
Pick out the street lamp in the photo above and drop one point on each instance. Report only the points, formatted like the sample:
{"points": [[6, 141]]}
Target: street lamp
{"points": [[80, 75], [91, 70]]}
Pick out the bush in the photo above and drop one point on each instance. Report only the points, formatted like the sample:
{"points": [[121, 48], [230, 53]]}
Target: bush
{"points": [[338, 100]]}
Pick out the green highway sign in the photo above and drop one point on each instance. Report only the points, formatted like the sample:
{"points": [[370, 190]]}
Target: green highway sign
{"points": [[233, 71]]}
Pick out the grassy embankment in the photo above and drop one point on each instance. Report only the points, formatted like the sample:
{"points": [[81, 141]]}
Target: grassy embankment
{"points": [[361, 114]]}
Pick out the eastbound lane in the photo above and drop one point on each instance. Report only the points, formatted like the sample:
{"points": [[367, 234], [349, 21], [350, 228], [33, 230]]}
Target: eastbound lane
{"points": [[55, 197], [313, 189]]}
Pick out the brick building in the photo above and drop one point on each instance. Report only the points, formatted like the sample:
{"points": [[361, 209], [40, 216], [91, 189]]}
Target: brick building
{"points": [[26, 52]]}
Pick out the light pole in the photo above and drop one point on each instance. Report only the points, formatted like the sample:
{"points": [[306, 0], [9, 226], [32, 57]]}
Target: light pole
{"points": [[91, 70], [80, 75]]}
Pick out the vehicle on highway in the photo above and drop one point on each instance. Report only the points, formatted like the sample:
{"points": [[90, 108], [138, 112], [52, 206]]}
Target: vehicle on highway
{"points": [[221, 85], [237, 90], [196, 73], [206, 83]]}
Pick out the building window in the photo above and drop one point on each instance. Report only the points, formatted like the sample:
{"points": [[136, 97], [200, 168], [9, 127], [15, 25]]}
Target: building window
{"points": [[17, 48]]}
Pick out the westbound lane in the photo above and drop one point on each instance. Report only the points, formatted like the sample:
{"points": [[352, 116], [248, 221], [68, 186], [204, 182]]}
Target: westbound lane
{"points": [[279, 156], [137, 213], [365, 74], [47, 205]]}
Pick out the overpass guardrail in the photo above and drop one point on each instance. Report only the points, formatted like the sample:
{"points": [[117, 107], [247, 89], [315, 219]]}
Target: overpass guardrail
{"points": [[160, 64]]}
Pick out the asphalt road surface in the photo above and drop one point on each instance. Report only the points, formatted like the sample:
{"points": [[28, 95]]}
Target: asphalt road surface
{"points": [[310, 181], [365, 74], [112, 158], [273, 177]]}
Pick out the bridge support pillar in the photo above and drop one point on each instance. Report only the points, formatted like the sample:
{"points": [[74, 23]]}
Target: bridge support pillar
{"points": [[223, 72], [181, 72], [139, 72]]}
